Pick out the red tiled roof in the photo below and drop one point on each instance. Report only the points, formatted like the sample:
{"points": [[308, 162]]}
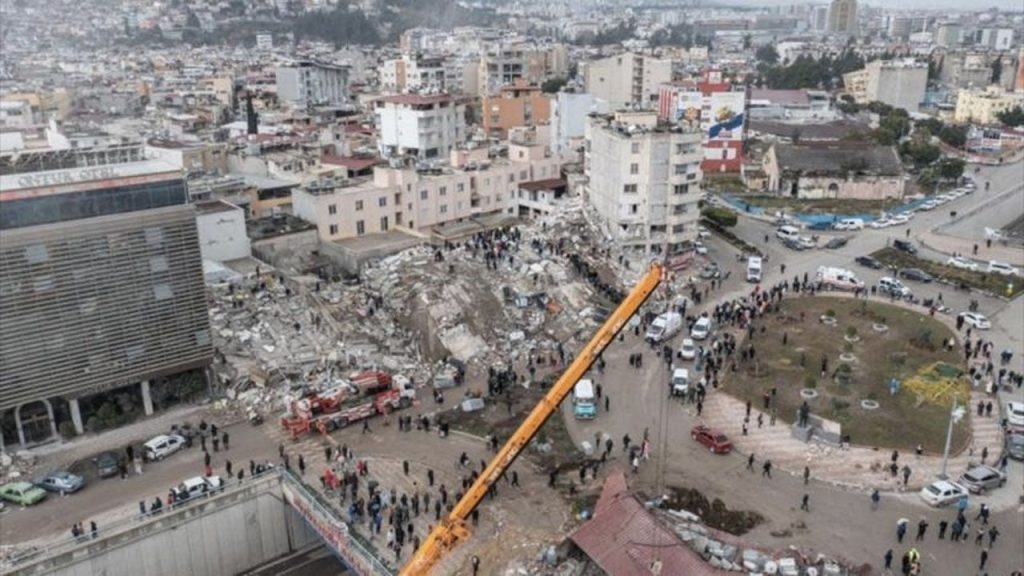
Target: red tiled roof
{"points": [[350, 162], [624, 539]]}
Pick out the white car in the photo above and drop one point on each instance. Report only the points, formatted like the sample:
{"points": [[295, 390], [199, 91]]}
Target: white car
{"points": [[928, 205], [975, 320], [806, 243], [962, 263], [899, 219], [688, 351], [700, 248], [163, 446], [702, 328], [703, 233], [996, 267], [1015, 413], [881, 223], [942, 492]]}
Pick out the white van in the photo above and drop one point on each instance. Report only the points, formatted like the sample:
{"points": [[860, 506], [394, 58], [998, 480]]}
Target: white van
{"points": [[849, 224], [162, 446], [583, 400], [838, 278], [680, 382], [892, 287], [754, 269], [664, 327], [702, 328], [787, 233]]}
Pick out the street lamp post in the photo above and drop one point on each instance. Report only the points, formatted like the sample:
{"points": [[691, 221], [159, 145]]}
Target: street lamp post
{"points": [[954, 416]]}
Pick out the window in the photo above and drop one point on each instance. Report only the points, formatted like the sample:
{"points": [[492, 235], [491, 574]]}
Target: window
{"points": [[522, 174], [511, 177], [680, 209], [679, 169], [360, 228], [158, 264], [443, 209], [679, 189], [423, 194], [634, 168], [443, 191], [382, 201], [383, 223], [36, 254], [154, 236], [462, 187], [162, 292], [678, 228], [332, 209], [359, 205], [634, 147], [332, 229], [629, 189], [634, 208]]}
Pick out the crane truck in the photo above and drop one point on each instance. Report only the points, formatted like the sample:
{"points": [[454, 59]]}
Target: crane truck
{"points": [[368, 394], [452, 529]]}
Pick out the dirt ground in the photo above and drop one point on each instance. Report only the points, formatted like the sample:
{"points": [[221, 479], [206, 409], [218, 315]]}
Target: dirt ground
{"points": [[714, 513], [902, 421]]}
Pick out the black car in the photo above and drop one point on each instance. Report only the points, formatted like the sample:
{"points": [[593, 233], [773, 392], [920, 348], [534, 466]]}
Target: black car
{"points": [[792, 244], [106, 464], [836, 243], [916, 274], [905, 246], [869, 262]]}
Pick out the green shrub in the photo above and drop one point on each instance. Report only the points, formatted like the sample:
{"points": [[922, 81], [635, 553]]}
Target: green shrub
{"points": [[830, 313], [722, 216], [67, 430], [851, 332], [810, 382]]}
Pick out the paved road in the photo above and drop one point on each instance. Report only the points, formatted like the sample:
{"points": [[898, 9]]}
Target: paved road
{"points": [[840, 522]]}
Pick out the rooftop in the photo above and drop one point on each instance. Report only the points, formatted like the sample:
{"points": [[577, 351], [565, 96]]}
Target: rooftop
{"points": [[351, 162], [838, 158], [417, 99], [214, 206], [276, 225]]}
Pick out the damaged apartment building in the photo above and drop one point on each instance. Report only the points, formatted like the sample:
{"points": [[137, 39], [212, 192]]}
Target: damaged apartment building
{"points": [[643, 179]]}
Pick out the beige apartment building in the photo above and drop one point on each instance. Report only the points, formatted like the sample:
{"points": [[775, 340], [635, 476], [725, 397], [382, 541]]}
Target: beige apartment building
{"points": [[518, 105], [627, 79], [404, 195], [898, 83], [984, 106]]}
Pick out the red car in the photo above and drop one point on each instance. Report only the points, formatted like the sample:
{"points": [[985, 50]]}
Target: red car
{"points": [[715, 441]]}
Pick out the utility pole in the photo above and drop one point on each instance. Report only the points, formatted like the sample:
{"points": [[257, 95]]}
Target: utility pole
{"points": [[954, 416]]}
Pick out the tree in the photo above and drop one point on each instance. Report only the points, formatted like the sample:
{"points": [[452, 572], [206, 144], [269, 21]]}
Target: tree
{"points": [[746, 41], [997, 69], [1013, 117], [951, 168], [721, 216], [767, 54], [552, 85], [955, 136]]}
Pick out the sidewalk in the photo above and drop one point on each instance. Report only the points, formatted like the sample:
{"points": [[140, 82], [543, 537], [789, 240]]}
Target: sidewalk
{"points": [[950, 244]]}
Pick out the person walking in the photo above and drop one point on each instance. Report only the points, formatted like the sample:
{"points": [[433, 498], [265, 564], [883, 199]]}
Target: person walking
{"points": [[875, 498], [302, 465], [943, 525], [901, 530], [766, 469], [922, 527], [93, 529], [224, 440], [984, 559], [476, 565], [807, 475], [888, 559], [804, 503], [750, 463], [906, 475]]}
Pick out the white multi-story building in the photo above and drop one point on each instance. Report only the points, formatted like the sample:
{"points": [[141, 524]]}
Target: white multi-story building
{"points": [[309, 83], [414, 74], [627, 79], [898, 83], [997, 38], [643, 179], [569, 120], [424, 126], [404, 195], [264, 41]]}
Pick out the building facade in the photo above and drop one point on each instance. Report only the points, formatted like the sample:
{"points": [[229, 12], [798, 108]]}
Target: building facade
{"points": [[984, 106], [643, 178], [842, 17], [424, 126], [309, 83], [898, 83], [569, 120], [518, 105], [834, 170], [719, 110], [102, 285], [627, 79]]}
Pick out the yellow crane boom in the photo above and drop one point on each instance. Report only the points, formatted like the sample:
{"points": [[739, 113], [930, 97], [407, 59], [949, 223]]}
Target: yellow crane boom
{"points": [[452, 528]]}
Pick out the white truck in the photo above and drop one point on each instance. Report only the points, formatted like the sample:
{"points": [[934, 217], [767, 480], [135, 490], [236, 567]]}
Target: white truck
{"points": [[754, 269], [838, 278], [664, 327], [584, 403], [680, 382]]}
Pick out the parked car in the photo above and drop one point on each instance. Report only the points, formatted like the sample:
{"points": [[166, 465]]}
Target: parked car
{"points": [[880, 223], [162, 446], [793, 244], [1015, 445], [929, 205], [197, 486], [962, 263], [806, 243], [680, 383], [982, 478], [975, 320], [916, 274], [892, 287], [702, 328], [869, 262], [849, 224], [787, 233], [996, 267], [1014, 413], [822, 225], [942, 493], [688, 350], [710, 270], [899, 219], [713, 440], [107, 464], [24, 493], [62, 482], [835, 243], [904, 246], [700, 248]]}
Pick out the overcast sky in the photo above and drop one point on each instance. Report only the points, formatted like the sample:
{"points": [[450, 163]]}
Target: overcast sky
{"points": [[1016, 5]]}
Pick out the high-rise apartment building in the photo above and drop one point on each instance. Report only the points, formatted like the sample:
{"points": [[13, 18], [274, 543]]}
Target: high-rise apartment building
{"points": [[101, 282], [898, 83], [643, 179], [424, 126], [627, 79], [309, 83], [842, 17]]}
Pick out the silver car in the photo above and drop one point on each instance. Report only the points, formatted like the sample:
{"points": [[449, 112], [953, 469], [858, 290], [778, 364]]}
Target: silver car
{"points": [[982, 478], [62, 482]]}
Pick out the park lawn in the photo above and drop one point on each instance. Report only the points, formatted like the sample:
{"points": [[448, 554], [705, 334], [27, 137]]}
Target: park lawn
{"points": [[979, 280], [901, 421], [823, 206]]}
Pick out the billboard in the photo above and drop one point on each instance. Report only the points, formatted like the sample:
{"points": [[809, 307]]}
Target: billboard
{"points": [[724, 119], [688, 107]]}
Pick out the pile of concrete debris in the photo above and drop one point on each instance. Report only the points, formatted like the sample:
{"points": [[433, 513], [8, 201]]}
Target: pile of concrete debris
{"points": [[726, 553]]}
